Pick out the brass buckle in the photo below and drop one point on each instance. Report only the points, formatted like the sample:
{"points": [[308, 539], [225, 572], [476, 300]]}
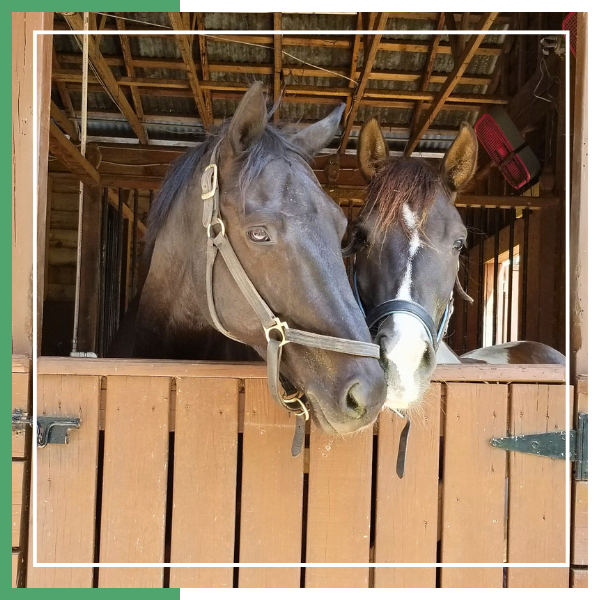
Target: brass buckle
{"points": [[279, 326], [209, 231], [213, 174], [303, 410]]}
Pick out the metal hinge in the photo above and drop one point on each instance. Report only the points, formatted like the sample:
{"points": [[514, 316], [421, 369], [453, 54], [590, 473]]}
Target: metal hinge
{"points": [[553, 445], [50, 430]]}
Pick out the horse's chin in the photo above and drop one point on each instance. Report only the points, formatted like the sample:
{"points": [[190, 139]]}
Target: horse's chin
{"points": [[326, 425], [402, 396]]}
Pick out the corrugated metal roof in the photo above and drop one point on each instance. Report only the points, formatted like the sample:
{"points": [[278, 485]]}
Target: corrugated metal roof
{"points": [[224, 104]]}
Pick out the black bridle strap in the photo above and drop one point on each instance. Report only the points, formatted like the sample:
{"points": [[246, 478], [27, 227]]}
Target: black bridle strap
{"points": [[391, 307]]}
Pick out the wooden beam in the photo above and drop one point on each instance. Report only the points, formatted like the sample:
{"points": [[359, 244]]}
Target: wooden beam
{"points": [[62, 88], [447, 88], [54, 365], [277, 60], [369, 59], [72, 76], [135, 94], [62, 120], [113, 200], [579, 207], [204, 65], [107, 78], [186, 54], [71, 157], [267, 69], [451, 25], [426, 78], [353, 63]]}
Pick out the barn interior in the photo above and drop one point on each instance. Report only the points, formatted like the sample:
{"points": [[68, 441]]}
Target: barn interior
{"points": [[151, 97]]}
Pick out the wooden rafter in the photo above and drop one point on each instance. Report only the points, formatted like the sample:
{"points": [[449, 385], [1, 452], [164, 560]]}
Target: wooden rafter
{"points": [[267, 69], [65, 124], [70, 156], [452, 25], [463, 62], [464, 25], [72, 76], [369, 59], [104, 73], [426, 78], [135, 94], [204, 66], [277, 60], [354, 63], [186, 53], [62, 88]]}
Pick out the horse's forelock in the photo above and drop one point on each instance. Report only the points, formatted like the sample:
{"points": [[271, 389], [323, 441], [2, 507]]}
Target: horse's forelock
{"points": [[401, 182]]}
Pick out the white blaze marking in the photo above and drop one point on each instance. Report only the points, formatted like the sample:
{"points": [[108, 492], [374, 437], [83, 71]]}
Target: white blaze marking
{"points": [[407, 340]]}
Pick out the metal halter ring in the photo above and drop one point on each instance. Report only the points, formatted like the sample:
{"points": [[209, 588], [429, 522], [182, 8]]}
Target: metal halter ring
{"points": [[209, 231], [279, 326], [296, 399], [210, 171]]}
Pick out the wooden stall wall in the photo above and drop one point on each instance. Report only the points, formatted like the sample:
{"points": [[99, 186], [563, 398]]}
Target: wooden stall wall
{"points": [[158, 440]]}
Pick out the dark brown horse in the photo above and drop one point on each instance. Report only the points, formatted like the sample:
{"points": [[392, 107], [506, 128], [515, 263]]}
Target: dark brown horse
{"points": [[407, 244], [286, 234]]}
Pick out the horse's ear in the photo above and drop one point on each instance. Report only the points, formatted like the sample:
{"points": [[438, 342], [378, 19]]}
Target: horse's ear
{"points": [[372, 148], [315, 137], [249, 120], [460, 162]]}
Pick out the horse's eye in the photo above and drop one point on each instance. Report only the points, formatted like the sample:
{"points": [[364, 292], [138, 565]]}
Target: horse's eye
{"points": [[259, 234], [459, 245]]}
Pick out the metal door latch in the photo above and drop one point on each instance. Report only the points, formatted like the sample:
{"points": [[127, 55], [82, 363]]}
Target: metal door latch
{"points": [[553, 445], [50, 430]]}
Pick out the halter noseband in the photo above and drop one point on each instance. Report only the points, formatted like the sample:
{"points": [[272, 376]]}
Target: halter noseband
{"points": [[375, 317], [277, 332]]}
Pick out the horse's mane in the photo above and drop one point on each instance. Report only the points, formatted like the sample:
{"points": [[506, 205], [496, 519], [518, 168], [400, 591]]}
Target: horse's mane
{"points": [[272, 143], [401, 182]]}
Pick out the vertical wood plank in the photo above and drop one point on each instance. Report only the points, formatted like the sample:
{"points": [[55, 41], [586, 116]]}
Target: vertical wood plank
{"points": [[20, 400], [579, 219], [407, 509], [90, 268], [472, 310], [23, 26], [18, 473], [66, 484], [272, 481], [537, 490], [134, 485], [579, 541], [473, 513], [204, 481], [339, 508], [17, 561], [579, 519], [534, 275], [579, 577]]}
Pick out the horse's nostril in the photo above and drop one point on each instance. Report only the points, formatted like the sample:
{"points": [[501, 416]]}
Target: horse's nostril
{"points": [[355, 405]]}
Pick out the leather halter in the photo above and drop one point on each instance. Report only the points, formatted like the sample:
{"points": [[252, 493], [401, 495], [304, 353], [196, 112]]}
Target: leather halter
{"points": [[277, 332], [376, 316]]}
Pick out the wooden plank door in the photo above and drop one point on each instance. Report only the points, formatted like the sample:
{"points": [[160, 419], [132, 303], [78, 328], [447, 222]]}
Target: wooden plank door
{"points": [[473, 513], [272, 480], [204, 481], [134, 489], [407, 509], [66, 484], [339, 508], [537, 490]]}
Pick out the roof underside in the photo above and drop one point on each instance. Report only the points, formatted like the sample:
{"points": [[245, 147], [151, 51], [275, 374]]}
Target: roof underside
{"points": [[170, 113]]}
